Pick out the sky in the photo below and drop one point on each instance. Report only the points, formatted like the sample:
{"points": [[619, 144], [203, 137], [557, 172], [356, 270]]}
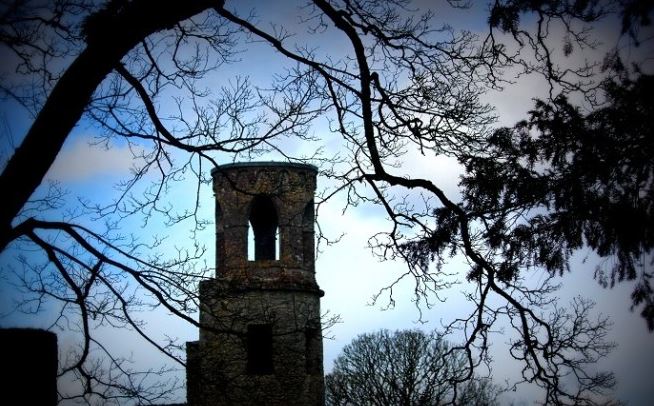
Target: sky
{"points": [[347, 271]]}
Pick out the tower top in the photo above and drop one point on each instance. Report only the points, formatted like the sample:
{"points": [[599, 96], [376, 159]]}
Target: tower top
{"points": [[265, 219], [263, 164]]}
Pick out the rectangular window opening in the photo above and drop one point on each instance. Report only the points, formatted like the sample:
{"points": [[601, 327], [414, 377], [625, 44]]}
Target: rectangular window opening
{"points": [[313, 351], [260, 349]]}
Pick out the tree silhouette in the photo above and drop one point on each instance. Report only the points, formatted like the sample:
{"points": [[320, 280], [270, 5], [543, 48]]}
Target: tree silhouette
{"points": [[575, 180], [404, 368], [405, 83]]}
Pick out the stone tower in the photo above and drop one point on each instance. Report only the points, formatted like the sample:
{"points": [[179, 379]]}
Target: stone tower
{"points": [[262, 344]]}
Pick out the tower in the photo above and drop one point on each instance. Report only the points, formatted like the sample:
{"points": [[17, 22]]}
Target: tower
{"points": [[261, 340]]}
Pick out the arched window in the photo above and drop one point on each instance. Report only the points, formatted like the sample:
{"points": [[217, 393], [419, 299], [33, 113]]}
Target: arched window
{"points": [[264, 229]]}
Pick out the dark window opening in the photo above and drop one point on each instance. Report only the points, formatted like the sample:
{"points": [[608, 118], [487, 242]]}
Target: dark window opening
{"points": [[307, 216], [251, 244], [220, 238], [219, 212], [313, 351], [260, 349], [307, 236], [264, 226]]}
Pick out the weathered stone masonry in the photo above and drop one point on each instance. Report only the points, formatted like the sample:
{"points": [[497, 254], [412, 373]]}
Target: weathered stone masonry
{"points": [[263, 343]]}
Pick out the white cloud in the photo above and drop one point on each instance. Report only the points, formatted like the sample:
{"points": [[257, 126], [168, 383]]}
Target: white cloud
{"points": [[350, 275], [79, 160]]}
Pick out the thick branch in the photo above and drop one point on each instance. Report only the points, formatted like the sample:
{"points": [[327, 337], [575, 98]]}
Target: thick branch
{"points": [[105, 47]]}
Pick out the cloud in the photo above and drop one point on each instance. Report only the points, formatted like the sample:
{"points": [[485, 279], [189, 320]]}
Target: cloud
{"points": [[80, 161], [350, 275]]}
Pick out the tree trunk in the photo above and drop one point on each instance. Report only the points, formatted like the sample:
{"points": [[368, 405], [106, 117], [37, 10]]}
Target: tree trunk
{"points": [[110, 36]]}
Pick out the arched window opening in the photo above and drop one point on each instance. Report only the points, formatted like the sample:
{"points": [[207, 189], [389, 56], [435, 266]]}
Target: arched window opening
{"points": [[263, 230], [251, 244]]}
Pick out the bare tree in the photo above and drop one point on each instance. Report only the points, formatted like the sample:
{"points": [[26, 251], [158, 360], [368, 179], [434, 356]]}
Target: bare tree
{"points": [[406, 83], [405, 368]]}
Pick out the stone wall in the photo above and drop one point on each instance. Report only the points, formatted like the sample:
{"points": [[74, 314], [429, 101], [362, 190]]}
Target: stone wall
{"points": [[291, 189], [222, 359]]}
